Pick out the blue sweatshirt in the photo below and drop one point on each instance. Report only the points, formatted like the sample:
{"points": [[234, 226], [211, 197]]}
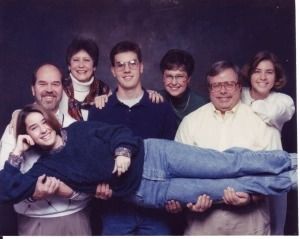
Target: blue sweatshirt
{"points": [[86, 160]]}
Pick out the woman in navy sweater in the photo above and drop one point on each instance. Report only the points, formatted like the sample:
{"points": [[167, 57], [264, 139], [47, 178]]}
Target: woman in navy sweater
{"points": [[148, 172]]}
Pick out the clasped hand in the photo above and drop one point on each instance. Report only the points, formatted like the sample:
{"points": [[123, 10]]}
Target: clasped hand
{"points": [[47, 186], [122, 164]]}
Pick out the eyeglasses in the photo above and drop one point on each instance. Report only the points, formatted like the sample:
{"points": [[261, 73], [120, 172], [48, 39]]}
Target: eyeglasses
{"points": [[120, 65], [228, 85], [177, 78]]}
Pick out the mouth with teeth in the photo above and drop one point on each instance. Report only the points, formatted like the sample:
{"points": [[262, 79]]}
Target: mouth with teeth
{"points": [[174, 88], [263, 85], [49, 98], [127, 78], [47, 136], [81, 72]]}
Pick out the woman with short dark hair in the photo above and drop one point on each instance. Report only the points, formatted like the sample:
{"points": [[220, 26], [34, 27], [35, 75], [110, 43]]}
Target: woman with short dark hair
{"points": [[264, 76], [81, 87]]}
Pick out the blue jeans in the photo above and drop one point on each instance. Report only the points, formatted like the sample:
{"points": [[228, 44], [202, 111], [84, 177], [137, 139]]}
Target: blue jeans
{"points": [[174, 171]]}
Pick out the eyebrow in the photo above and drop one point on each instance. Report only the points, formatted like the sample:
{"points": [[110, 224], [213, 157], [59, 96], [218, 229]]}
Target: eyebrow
{"points": [[32, 125], [47, 82], [268, 69], [78, 57], [126, 61]]}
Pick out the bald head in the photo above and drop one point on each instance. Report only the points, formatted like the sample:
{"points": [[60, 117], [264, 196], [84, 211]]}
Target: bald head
{"points": [[43, 69], [47, 87]]}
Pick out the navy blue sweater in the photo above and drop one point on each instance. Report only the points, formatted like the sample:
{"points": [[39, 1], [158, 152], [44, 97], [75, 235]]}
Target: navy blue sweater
{"points": [[86, 160], [145, 119]]}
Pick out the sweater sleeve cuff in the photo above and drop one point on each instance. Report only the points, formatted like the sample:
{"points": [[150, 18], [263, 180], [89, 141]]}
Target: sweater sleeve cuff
{"points": [[122, 151], [15, 160]]}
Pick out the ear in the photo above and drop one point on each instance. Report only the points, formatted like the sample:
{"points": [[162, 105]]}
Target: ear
{"points": [[112, 69], [32, 91], [69, 68], [141, 67], [240, 85], [188, 80]]}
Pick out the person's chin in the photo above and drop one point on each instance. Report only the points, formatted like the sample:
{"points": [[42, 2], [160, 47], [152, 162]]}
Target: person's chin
{"points": [[176, 94], [46, 147], [83, 78], [49, 107]]}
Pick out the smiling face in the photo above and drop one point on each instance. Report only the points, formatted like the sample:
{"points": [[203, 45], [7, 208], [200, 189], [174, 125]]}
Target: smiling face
{"points": [[82, 66], [47, 88], [175, 82], [225, 97], [127, 70], [40, 132], [262, 79]]}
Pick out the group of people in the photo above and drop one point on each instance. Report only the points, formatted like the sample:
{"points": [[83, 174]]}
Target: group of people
{"points": [[149, 186]]}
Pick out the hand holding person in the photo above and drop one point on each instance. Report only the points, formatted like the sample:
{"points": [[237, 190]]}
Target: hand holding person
{"points": [[155, 97], [231, 197], [203, 203], [103, 191], [45, 186], [101, 100], [173, 206], [64, 190]]}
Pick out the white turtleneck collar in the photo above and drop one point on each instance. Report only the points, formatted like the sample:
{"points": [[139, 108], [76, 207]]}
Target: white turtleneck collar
{"points": [[79, 86], [81, 90]]}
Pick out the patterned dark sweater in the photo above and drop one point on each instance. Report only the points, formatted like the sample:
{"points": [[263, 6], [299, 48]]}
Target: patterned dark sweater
{"points": [[86, 160]]}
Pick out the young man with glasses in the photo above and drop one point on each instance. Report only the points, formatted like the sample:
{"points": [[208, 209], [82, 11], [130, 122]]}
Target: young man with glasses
{"points": [[223, 123], [177, 67], [130, 105]]}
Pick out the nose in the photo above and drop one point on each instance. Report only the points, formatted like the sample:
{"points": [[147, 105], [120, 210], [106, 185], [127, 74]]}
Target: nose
{"points": [[262, 75], [174, 80], [223, 89], [43, 128], [80, 63], [49, 88], [126, 67]]}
